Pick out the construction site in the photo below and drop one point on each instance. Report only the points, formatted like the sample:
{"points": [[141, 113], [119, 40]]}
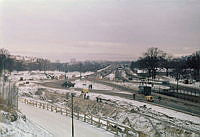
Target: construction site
{"points": [[116, 104]]}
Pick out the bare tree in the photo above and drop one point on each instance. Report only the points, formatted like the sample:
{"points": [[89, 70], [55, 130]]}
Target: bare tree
{"points": [[152, 60], [166, 63], [179, 65], [43, 64], [193, 62], [4, 53]]}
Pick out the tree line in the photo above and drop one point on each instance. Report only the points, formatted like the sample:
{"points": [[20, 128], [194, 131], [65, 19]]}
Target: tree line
{"points": [[155, 59], [152, 61], [7, 62]]}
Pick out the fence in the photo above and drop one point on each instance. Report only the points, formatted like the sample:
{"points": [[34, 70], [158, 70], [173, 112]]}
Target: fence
{"points": [[8, 94], [193, 96], [108, 125]]}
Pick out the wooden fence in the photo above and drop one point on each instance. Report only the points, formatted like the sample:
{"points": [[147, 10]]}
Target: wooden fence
{"points": [[108, 125]]}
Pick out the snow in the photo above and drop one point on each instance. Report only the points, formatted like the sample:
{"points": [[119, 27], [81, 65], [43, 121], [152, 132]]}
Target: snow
{"points": [[100, 70], [21, 128], [40, 75], [96, 86], [34, 75], [128, 84], [79, 84], [77, 74], [172, 80], [28, 88], [111, 76], [60, 125], [169, 112], [145, 116]]}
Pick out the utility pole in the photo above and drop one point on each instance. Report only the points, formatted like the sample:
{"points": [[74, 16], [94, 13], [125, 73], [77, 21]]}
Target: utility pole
{"points": [[80, 70], [177, 86], [3, 76], [66, 70], [17, 98], [72, 95], [177, 79], [9, 94]]}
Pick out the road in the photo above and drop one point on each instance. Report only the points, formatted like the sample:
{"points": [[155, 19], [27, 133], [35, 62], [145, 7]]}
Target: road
{"points": [[125, 92], [60, 125], [169, 102]]}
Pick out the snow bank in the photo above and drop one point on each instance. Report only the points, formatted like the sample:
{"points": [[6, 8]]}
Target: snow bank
{"points": [[22, 127]]}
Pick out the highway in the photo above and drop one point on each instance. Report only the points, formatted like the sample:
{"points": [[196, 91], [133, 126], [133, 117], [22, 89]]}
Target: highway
{"points": [[125, 92]]}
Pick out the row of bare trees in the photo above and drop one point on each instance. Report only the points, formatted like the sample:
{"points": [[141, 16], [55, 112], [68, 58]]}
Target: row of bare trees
{"points": [[7, 62], [155, 59]]}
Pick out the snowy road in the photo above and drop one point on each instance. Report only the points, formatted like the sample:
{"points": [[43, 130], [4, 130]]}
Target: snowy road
{"points": [[59, 125]]}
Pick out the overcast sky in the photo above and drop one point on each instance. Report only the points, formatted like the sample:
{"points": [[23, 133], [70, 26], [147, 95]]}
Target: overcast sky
{"points": [[99, 29]]}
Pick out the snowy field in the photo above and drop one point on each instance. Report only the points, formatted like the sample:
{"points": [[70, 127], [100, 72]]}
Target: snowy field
{"points": [[60, 125], [41, 75], [96, 86]]}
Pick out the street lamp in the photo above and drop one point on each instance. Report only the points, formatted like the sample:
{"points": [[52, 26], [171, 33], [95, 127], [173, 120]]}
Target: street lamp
{"points": [[80, 70], [72, 96]]}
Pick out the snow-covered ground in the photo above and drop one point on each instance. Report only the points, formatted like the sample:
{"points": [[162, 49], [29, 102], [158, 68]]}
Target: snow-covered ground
{"points": [[77, 74], [41, 75], [96, 86], [22, 127], [26, 75], [60, 125], [145, 116], [128, 84], [169, 112], [154, 108], [111, 76], [172, 80], [158, 115]]}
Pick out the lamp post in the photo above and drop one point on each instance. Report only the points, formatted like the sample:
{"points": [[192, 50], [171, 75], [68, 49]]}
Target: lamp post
{"points": [[80, 70], [72, 96]]}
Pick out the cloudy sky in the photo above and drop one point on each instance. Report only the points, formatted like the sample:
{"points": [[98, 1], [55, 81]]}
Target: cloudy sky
{"points": [[99, 29]]}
